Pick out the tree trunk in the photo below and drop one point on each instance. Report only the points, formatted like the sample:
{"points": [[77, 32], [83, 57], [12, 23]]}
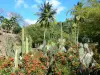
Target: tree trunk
{"points": [[44, 33]]}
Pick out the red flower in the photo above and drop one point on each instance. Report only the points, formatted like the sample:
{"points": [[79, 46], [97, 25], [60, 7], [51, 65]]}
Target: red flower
{"points": [[59, 73], [5, 65], [29, 71], [20, 73], [12, 73], [43, 67], [41, 54], [26, 58], [33, 69], [12, 59]]}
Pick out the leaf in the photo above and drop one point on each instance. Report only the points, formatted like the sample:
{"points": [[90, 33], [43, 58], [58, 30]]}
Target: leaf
{"points": [[74, 25], [78, 18]]}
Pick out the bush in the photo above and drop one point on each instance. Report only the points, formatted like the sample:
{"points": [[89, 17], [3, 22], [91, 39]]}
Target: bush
{"points": [[17, 29]]}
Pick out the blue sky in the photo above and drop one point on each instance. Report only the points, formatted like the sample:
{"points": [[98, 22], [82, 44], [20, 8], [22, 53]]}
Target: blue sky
{"points": [[27, 8]]}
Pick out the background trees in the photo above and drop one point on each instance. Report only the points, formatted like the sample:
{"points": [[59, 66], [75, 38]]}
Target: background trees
{"points": [[89, 19], [11, 24]]}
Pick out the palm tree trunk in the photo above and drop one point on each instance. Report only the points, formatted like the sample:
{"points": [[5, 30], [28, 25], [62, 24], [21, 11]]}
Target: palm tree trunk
{"points": [[44, 33]]}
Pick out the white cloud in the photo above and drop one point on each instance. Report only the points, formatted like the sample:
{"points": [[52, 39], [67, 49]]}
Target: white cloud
{"points": [[29, 21], [61, 8], [38, 1], [20, 3], [55, 3]]}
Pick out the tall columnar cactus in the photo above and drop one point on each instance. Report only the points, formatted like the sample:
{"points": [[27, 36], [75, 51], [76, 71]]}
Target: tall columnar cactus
{"points": [[30, 43], [27, 45], [74, 32], [16, 59], [23, 43]]}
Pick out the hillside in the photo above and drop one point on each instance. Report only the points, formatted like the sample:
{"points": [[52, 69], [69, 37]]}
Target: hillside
{"points": [[3, 41]]}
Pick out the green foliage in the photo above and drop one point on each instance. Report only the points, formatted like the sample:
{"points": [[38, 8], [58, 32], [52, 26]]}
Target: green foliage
{"points": [[46, 14], [17, 29], [87, 16], [6, 24], [46, 17], [35, 32], [11, 24]]}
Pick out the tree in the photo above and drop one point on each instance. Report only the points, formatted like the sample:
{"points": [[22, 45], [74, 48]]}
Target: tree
{"points": [[89, 20], [46, 15], [11, 24], [15, 19], [77, 12], [17, 29], [6, 24]]}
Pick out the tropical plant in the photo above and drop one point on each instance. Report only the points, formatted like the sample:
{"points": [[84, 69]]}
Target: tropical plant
{"points": [[46, 16], [89, 19]]}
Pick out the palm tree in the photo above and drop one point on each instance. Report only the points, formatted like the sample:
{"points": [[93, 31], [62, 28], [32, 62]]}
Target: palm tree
{"points": [[46, 16], [78, 17]]}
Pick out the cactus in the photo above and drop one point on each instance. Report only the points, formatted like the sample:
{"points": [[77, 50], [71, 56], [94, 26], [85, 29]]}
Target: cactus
{"points": [[27, 45], [30, 43], [23, 43], [16, 59], [9, 46]]}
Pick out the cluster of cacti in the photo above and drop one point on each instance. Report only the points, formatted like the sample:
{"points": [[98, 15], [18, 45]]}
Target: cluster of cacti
{"points": [[10, 46], [13, 51], [26, 43]]}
